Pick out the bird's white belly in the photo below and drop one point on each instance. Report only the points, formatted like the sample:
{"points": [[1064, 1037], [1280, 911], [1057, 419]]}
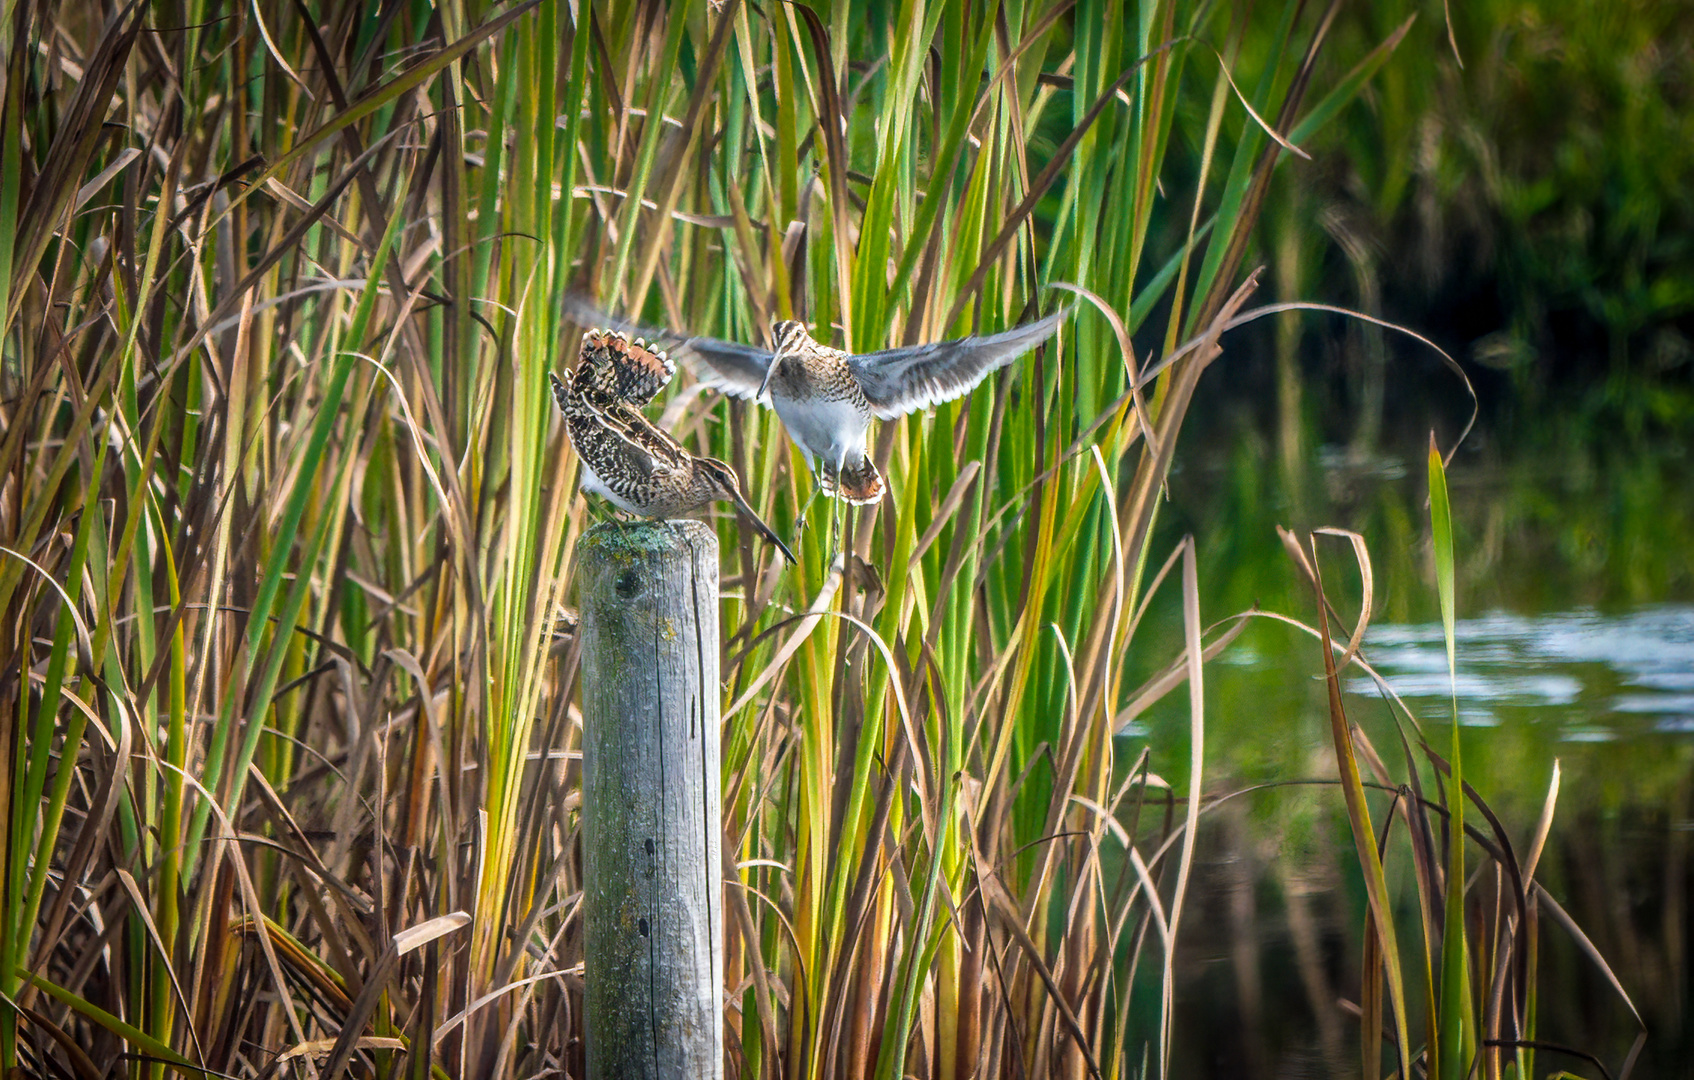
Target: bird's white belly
{"points": [[831, 430], [591, 482]]}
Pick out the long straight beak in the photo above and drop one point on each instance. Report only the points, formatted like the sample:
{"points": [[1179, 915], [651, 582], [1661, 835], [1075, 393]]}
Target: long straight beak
{"points": [[765, 385], [759, 525]]}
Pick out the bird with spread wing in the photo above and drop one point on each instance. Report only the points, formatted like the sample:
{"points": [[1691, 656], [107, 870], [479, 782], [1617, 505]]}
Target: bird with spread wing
{"points": [[827, 397]]}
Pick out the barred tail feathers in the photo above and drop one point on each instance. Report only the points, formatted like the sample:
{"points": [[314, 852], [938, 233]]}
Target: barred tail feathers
{"points": [[562, 395], [860, 483]]}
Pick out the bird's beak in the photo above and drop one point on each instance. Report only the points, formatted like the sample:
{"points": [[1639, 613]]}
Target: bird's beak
{"points": [[759, 525], [770, 369]]}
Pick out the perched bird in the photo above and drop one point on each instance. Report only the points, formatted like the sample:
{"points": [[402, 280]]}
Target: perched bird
{"points": [[627, 460], [827, 398]]}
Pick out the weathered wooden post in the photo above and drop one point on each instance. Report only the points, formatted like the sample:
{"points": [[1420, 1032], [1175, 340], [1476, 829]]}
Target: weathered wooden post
{"points": [[651, 801]]}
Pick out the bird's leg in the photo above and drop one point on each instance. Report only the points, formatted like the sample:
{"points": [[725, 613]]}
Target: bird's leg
{"points": [[601, 512], [835, 516], [812, 465], [829, 530], [800, 523], [842, 509], [835, 519]]}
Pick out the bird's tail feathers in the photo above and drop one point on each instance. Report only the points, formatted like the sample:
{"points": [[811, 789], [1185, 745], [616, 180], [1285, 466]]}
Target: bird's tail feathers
{"points": [[860, 483], [565, 398]]}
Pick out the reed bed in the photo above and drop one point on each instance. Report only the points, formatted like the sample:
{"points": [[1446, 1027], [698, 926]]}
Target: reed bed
{"points": [[288, 526]]}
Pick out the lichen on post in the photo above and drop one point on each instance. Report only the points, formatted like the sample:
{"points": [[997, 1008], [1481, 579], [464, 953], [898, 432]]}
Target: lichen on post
{"points": [[652, 815]]}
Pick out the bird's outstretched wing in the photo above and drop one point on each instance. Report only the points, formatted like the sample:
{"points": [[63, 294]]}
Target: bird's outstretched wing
{"points": [[736, 369], [899, 381]]}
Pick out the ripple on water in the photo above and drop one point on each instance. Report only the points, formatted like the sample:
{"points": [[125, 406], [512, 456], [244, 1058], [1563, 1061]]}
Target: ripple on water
{"points": [[1598, 676]]}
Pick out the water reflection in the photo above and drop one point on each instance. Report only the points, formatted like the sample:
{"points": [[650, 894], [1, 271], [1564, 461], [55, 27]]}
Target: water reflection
{"points": [[1591, 677], [1576, 546]]}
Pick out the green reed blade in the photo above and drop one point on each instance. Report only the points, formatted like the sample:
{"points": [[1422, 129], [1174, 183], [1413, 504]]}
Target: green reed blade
{"points": [[1456, 1024]]}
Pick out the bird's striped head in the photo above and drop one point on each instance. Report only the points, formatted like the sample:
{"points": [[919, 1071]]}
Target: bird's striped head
{"points": [[788, 335], [725, 483]]}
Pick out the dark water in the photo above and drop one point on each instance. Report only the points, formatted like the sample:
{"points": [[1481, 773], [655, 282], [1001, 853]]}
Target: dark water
{"points": [[1575, 644]]}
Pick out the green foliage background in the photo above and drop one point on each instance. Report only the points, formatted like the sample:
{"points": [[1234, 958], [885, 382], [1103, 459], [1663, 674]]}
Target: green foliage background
{"points": [[289, 669]]}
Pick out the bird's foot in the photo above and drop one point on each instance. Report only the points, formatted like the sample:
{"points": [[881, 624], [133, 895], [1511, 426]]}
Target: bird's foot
{"points": [[805, 509]]}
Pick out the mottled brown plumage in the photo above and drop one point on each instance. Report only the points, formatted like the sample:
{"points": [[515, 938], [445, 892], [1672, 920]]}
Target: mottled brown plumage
{"points": [[627, 460], [612, 368], [827, 398], [823, 406]]}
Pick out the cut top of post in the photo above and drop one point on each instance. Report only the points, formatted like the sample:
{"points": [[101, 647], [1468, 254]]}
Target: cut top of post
{"points": [[634, 541]]}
